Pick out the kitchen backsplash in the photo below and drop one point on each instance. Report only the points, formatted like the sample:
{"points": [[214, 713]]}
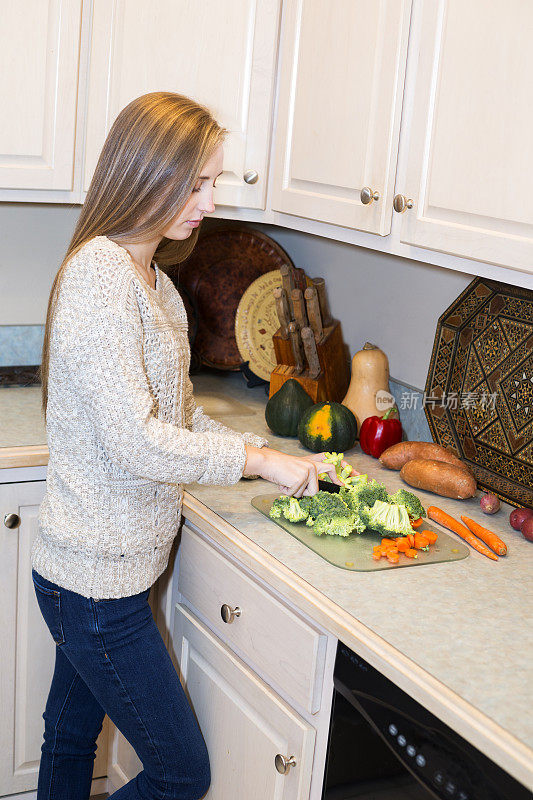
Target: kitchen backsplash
{"points": [[21, 345]]}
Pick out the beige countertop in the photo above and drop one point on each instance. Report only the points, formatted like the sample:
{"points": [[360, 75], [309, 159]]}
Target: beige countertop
{"points": [[455, 635]]}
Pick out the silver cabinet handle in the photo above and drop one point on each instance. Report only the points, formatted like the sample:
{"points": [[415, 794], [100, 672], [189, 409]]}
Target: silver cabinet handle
{"points": [[283, 764], [11, 520], [401, 202], [228, 613], [368, 195], [251, 176]]}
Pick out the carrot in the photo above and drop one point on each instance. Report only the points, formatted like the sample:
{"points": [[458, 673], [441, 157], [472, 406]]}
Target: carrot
{"points": [[388, 542], [421, 543], [430, 535], [416, 523], [376, 556], [393, 557], [490, 538], [444, 519], [402, 544], [411, 553], [411, 539]]}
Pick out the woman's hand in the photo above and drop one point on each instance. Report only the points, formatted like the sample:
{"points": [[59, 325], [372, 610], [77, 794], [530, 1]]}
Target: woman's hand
{"points": [[293, 475]]}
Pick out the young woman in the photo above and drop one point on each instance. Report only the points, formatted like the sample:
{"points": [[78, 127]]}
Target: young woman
{"points": [[124, 434]]}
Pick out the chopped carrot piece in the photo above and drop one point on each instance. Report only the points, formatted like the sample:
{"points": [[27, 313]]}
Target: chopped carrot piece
{"points": [[421, 542], [393, 557], [416, 523], [411, 539], [411, 553], [376, 556], [430, 535], [402, 544], [388, 541]]}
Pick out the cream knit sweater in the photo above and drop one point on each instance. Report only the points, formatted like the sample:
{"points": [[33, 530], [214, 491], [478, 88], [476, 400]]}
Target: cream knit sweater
{"points": [[123, 429]]}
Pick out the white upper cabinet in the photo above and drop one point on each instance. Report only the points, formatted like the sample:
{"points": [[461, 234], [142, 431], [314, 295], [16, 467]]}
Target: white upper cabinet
{"points": [[470, 159], [39, 58], [221, 54], [341, 84]]}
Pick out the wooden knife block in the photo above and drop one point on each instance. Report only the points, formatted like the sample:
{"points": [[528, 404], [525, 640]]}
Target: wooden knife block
{"points": [[334, 377]]}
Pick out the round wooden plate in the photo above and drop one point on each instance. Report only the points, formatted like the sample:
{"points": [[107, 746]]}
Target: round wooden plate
{"points": [[222, 266], [256, 322]]}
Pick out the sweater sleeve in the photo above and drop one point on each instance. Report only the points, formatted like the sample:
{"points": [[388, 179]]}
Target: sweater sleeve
{"points": [[97, 337]]}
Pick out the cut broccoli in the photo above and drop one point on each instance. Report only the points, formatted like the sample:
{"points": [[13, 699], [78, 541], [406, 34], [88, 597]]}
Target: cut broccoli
{"points": [[389, 519], [278, 506], [339, 522], [343, 473], [410, 501], [288, 507]]}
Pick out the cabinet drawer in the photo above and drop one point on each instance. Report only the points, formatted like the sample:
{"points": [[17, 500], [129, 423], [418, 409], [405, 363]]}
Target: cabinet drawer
{"points": [[276, 641]]}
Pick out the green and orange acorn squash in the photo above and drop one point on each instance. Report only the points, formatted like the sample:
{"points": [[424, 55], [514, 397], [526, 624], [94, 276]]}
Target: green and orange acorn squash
{"points": [[327, 427]]}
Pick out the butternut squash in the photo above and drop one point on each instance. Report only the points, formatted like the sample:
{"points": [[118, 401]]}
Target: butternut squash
{"points": [[370, 375]]}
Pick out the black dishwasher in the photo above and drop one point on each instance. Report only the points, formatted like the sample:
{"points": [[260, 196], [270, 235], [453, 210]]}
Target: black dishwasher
{"points": [[383, 745]]}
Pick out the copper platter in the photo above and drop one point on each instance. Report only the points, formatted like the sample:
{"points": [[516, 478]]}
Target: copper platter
{"points": [[222, 266], [480, 385]]}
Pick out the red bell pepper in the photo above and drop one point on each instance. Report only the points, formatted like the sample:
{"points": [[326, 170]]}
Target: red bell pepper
{"points": [[378, 433]]}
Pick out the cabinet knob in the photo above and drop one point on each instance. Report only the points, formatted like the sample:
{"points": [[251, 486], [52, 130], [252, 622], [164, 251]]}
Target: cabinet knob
{"points": [[283, 764], [368, 196], [401, 202], [228, 613], [251, 176], [11, 520]]}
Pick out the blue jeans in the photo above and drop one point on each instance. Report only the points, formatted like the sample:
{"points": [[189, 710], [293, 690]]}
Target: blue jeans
{"points": [[111, 659]]}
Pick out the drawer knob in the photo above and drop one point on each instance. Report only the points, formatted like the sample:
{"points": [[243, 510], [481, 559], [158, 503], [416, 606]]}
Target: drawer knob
{"points": [[283, 764], [368, 195], [228, 613], [11, 520]]}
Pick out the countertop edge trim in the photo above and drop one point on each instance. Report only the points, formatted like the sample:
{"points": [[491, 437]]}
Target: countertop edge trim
{"points": [[25, 456], [480, 730]]}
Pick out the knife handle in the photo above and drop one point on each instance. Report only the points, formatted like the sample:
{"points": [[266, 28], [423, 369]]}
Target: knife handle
{"points": [[298, 304], [282, 307], [320, 286], [311, 353], [296, 343], [287, 281], [313, 312]]}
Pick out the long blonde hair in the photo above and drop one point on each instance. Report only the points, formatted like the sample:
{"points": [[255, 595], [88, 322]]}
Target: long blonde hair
{"points": [[148, 166]]}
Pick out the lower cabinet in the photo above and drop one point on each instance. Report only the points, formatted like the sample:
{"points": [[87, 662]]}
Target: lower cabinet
{"points": [[258, 745], [28, 650]]}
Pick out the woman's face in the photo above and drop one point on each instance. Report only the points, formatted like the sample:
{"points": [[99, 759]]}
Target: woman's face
{"points": [[200, 201]]}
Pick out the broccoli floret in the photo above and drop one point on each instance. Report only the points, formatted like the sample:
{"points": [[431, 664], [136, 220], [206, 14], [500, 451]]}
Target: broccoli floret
{"points": [[410, 501], [340, 522], [293, 512], [389, 519], [287, 507], [278, 506], [343, 473]]}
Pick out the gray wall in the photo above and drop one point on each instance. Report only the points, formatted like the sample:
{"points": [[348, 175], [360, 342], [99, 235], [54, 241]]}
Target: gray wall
{"points": [[390, 301]]}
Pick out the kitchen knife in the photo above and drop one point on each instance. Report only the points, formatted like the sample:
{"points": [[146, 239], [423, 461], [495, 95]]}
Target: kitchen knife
{"points": [[287, 281], [296, 343], [313, 312], [282, 307], [298, 304], [320, 286], [310, 350]]}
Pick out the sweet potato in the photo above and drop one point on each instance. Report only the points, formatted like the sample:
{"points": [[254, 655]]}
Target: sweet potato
{"points": [[399, 454], [448, 480]]}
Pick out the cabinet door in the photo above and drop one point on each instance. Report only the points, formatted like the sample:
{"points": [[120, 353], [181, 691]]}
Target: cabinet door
{"points": [[28, 651], [470, 165], [221, 54], [244, 723], [39, 54], [340, 97]]}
